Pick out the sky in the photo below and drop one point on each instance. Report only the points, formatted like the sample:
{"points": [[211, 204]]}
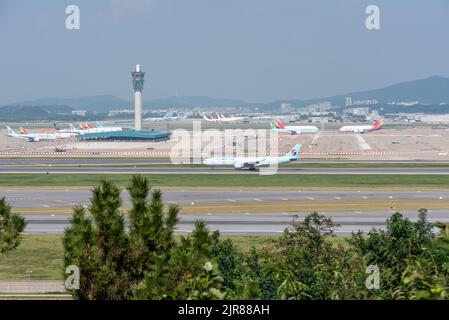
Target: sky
{"points": [[254, 50]]}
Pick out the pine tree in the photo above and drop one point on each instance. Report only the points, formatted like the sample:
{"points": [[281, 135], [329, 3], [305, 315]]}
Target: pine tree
{"points": [[11, 226]]}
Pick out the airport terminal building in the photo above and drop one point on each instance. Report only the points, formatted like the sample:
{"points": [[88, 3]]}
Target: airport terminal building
{"points": [[129, 135]]}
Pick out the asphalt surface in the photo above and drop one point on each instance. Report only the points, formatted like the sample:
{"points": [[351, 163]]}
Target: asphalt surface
{"points": [[111, 161], [251, 223], [67, 198], [205, 170]]}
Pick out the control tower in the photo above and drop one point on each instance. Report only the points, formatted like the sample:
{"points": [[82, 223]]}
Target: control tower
{"points": [[138, 79]]}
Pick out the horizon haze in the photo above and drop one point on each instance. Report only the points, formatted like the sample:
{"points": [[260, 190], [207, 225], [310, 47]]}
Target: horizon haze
{"points": [[256, 51]]}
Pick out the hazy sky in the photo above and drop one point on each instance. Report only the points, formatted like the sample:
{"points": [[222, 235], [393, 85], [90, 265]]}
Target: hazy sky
{"points": [[257, 50]]}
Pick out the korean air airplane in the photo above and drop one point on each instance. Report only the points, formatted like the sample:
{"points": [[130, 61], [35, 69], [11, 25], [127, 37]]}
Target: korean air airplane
{"points": [[252, 163]]}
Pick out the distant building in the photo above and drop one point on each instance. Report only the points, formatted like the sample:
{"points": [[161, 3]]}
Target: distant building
{"points": [[286, 108], [348, 101], [320, 107], [364, 102], [363, 111], [428, 118], [116, 112], [81, 113]]}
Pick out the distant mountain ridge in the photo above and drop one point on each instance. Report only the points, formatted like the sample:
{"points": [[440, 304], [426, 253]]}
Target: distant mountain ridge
{"points": [[431, 90]]}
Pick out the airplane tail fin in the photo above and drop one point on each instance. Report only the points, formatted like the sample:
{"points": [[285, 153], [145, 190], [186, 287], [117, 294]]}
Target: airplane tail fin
{"points": [[378, 124], [98, 124], [72, 127], [10, 131], [294, 152], [278, 124], [55, 126]]}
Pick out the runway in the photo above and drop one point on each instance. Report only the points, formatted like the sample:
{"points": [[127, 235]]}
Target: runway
{"points": [[67, 198], [246, 224], [208, 171]]}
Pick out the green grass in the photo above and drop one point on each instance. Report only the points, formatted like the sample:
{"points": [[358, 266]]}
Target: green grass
{"points": [[43, 255], [366, 181]]}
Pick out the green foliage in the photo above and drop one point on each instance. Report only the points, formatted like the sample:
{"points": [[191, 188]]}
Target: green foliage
{"points": [[141, 260], [11, 226]]}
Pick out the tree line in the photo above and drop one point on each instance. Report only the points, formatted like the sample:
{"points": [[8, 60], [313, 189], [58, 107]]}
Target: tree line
{"points": [[142, 259]]}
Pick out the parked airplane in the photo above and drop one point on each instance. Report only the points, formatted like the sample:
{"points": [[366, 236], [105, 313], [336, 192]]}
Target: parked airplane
{"points": [[164, 118], [86, 128], [363, 128], [32, 137], [252, 163], [167, 117], [210, 119], [279, 126], [222, 118]]}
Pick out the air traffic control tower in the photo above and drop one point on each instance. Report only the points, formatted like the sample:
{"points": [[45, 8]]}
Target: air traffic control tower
{"points": [[138, 79]]}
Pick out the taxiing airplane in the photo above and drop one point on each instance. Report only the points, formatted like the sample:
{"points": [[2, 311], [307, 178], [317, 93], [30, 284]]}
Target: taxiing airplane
{"points": [[32, 137], [363, 128], [279, 126], [252, 163]]}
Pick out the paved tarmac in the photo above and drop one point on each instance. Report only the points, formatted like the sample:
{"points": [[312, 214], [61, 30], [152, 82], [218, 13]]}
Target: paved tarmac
{"points": [[251, 223], [204, 170], [67, 198]]}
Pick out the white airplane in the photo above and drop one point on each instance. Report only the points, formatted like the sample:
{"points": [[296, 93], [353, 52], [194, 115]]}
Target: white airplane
{"points": [[252, 163], [100, 126], [279, 126], [211, 119], [221, 118], [363, 128], [164, 118], [31, 137], [85, 128]]}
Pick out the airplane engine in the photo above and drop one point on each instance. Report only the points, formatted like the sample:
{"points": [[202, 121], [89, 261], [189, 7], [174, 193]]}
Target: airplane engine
{"points": [[239, 165]]}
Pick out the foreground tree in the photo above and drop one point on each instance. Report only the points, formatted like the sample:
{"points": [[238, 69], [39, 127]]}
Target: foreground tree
{"points": [[11, 226], [111, 257], [412, 260]]}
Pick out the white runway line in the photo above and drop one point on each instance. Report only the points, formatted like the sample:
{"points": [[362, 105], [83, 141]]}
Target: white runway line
{"points": [[363, 145]]}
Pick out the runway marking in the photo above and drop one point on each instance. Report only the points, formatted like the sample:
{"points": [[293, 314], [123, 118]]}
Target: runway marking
{"points": [[310, 198], [362, 143], [284, 199], [256, 199], [231, 200], [338, 198], [365, 197], [390, 197]]}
